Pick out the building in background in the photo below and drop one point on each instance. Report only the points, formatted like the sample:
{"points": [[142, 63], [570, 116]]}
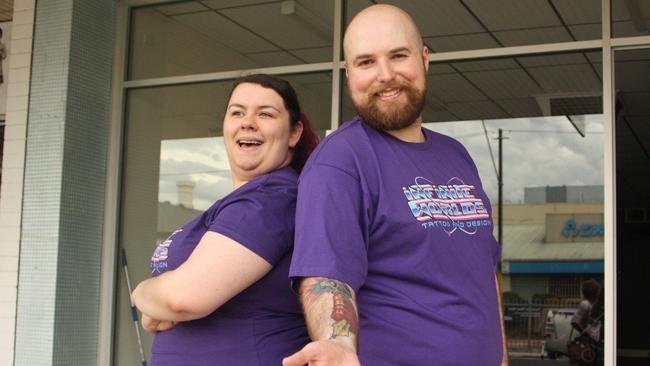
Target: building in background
{"points": [[553, 242]]}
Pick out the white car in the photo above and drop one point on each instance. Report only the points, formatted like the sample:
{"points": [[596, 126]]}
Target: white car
{"points": [[557, 332]]}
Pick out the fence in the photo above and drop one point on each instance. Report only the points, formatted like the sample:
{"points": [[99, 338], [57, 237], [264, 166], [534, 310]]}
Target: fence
{"points": [[525, 323]]}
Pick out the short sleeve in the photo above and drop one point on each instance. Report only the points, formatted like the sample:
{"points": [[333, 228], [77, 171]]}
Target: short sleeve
{"points": [[331, 236], [262, 221]]}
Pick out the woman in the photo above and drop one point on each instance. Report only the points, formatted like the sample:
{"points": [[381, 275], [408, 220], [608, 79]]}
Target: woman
{"points": [[586, 321], [222, 296]]}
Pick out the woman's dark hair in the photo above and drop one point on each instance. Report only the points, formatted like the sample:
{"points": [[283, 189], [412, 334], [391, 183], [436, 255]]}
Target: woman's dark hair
{"points": [[591, 290], [309, 139]]}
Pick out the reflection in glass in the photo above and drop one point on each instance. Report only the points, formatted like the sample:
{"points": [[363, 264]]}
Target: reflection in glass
{"points": [[632, 113], [553, 223], [193, 37], [475, 24], [630, 18], [538, 152], [530, 86], [175, 166], [193, 172]]}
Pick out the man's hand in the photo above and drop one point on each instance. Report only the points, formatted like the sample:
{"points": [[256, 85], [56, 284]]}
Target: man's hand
{"points": [[505, 361], [324, 353], [154, 325]]}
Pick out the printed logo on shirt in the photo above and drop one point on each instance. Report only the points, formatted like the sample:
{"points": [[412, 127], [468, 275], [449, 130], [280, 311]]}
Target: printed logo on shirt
{"points": [[160, 255], [452, 206]]}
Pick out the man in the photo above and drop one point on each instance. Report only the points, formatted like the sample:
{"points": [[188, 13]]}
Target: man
{"points": [[394, 254]]}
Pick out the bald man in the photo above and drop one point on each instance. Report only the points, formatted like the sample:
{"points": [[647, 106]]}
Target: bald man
{"points": [[394, 254]]}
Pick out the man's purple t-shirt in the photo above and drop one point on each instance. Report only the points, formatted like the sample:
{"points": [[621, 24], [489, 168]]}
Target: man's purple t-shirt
{"points": [[409, 228], [262, 324]]}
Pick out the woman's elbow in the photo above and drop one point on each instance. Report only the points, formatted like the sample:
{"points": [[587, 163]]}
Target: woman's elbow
{"points": [[189, 307]]}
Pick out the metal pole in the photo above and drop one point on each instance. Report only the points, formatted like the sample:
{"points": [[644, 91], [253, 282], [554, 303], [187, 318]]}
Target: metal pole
{"points": [[500, 232], [134, 311], [529, 332]]}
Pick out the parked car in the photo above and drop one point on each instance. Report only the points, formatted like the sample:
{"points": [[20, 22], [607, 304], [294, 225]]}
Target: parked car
{"points": [[557, 332]]}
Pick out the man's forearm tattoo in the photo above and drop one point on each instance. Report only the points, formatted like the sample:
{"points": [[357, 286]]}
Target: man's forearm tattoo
{"points": [[344, 313]]}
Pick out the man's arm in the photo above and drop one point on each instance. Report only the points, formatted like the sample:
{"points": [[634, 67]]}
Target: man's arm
{"points": [[504, 361], [332, 321]]}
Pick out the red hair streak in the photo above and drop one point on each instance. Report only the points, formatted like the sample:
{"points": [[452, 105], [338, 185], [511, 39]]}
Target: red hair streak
{"points": [[307, 143]]}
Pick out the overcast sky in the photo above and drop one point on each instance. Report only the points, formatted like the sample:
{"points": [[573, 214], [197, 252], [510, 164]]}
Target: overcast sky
{"points": [[201, 160], [538, 152]]}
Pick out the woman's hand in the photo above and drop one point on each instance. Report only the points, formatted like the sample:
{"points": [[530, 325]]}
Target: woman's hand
{"points": [[154, 325]]}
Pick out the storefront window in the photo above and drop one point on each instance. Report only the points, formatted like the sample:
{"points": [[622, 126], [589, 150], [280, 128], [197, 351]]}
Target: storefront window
{"points": [[549, 108], [475, 24], [193, 37], [632, 115], [529, 86], [630, 18]]}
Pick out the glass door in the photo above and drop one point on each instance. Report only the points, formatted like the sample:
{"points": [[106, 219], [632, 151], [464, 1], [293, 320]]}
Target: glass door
{"points": [[632, 113]]}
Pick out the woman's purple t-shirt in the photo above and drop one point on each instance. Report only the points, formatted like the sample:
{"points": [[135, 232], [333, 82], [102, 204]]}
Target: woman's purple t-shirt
{"points": [[408, 226], [262, 324]]}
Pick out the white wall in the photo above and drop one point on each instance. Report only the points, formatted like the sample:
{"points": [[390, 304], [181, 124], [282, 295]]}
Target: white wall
{"points": [[16, 81], [6, 40]]}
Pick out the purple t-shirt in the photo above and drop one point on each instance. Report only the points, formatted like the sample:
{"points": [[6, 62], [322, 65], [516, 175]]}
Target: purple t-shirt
{"points": [[409, 228], [263, 323]]}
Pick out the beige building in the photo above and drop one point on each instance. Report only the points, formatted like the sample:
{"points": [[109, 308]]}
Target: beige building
{"points": [[549, 248]]}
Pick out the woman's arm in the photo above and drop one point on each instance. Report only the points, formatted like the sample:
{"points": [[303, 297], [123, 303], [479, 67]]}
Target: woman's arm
{"points": [[578, 321], [218, 269]]}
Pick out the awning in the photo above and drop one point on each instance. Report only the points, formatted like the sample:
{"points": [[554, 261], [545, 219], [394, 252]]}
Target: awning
{"points": [[526, 243]]}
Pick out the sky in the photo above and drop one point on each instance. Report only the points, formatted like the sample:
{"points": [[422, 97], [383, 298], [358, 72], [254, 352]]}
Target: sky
{"points": [[540, 151], [201, 160], [537, 152]]}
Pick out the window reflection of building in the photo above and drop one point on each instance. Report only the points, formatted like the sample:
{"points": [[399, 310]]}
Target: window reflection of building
{"points": [[167, 39], [171, 216], [552, 241]]}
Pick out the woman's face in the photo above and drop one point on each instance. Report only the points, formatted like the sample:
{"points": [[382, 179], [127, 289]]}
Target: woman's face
{"points": [[257, 132]]}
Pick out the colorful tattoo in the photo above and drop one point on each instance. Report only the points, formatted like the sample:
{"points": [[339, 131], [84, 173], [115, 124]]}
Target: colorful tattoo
{"points": [[344, 313]]}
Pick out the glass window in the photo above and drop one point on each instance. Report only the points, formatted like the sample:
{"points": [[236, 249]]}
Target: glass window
{"points": [[194, 37], [450, 25], [630, 18], [549, 110], [175, 166], [527, 86], [632, 113]]}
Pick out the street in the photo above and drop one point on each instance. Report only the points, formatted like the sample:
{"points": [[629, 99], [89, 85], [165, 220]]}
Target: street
{"points": [[536, 361]]}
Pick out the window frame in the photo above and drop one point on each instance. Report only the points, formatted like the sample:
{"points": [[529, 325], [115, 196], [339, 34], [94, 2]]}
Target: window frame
{"points": [[110, 272]]}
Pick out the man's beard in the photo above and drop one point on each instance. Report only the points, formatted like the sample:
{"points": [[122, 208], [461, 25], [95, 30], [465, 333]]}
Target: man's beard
{"points": [[392, 117]]}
